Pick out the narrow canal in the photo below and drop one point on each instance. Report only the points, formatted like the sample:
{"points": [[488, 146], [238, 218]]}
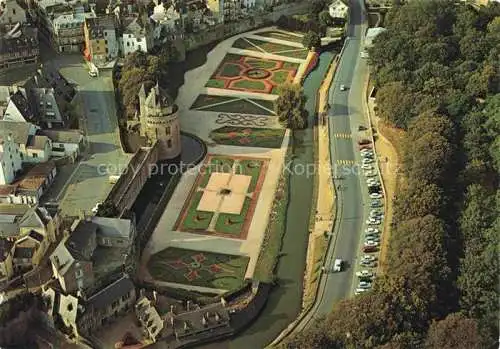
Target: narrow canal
{"points": [[284, 303]]}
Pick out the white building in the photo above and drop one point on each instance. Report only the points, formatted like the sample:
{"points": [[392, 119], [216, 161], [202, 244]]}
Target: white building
{"points": [[10, 160], [11, 13], [33, 148], [167, 18], [65, 142], [136, 37], [338, 9]]}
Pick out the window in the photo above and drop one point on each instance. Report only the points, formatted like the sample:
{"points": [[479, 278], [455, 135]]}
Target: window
{"points": [[106, 34], [167, 131], [169, 143], [105, 42], [78, 273], [35, 155], [13, 11]]}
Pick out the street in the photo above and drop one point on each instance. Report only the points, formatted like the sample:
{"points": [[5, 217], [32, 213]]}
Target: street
{"points": [[346, 114], [82, 186]]}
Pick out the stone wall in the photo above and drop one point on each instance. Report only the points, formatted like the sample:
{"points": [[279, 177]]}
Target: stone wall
{"points": [[222, 31]]}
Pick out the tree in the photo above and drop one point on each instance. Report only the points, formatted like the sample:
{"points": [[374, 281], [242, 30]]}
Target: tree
{"points": [[311, 40], [418, 199], [454, 332], [395, 104], [325, 19], [290, 106]]}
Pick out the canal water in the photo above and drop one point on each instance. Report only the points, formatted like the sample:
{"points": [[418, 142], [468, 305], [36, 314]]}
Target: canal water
{"points": [[284, 303]]}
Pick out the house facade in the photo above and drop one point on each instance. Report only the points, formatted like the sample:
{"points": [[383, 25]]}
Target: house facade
{"points": [[136, 37], [10, 160], [65, 142], [11, 13], [101, 43], [19, 47]]}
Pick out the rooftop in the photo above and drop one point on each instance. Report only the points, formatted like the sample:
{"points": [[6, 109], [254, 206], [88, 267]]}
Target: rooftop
{"points": [[113, 227], [80, 238], [5, 248], [19, 131], [62, 136], [36, 176], [37, 142], [112, 292]]}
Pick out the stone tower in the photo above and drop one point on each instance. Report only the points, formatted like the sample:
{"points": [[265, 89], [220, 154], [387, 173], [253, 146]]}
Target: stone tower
{"points": [[160, 122]]}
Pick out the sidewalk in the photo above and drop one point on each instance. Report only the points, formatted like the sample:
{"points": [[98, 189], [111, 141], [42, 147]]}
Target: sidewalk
{"points": [[326, 196]]}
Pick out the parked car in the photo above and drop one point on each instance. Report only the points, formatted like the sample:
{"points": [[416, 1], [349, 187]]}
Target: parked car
{"points": [[373, 221], [362, 128], [376, 195], [369, 249], [371, 243], [359, 291], [370, 173], [376, 212], [343, 88], [365, 274], [371, 230], [367, 161], [368, 264], [367, 154], [367, 167], [365, 285], [364, 141], [376, 203], [364, 146], [372, 239]]}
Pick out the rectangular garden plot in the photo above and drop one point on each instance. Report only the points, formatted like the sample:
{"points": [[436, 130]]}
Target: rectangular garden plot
{"points": [[271, 47], [249, 137], [198, 268], [223, 197], [251, 74]]}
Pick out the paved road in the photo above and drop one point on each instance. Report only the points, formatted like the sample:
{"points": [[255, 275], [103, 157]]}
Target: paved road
{"points": [[345, 117], [88, 181]]}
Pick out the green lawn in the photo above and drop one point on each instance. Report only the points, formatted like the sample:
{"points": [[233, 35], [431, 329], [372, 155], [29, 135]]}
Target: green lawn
{"points": [[249, 84], [215, 83], [242, 106], [206, 100], [270, 47], [198, 268], [279, 77], [233, 223], [230, 70], [250, 137], [250, 168], [261, 63], [194, 219], [290, 65], [281, 36], [216, 164]]}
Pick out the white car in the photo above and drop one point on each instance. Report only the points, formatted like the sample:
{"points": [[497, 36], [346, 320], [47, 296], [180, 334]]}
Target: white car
{"points": [[366, 150], [342, 88], [365, 274], [367, 154], [337, 265], [359, 291], [365, 285], [368, 258], [373, 221], [372, 182], [370, 173], [367, 161], [367, 167], [376, 196], [93, 74], [96, 207], [372, 243], [371, 230]]}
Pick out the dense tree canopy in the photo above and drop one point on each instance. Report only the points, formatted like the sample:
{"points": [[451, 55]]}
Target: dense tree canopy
{"points": [[437, 76], [290, 106], [311, 40]]}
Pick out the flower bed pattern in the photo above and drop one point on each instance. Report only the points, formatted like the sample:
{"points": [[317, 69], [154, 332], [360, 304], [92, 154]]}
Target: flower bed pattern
{"points": [[237, 72], [248, 137], [198, 268]]}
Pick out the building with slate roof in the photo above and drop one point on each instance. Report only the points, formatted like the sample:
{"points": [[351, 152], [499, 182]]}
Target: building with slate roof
{"points": [[19, 47]]}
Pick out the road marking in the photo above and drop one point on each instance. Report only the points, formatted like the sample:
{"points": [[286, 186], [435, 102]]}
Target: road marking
{"points": [[345, 162], [343, 135]]}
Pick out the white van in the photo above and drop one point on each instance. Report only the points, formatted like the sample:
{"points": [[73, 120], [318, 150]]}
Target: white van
{"points": [[337, 265], [113, 179]]}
